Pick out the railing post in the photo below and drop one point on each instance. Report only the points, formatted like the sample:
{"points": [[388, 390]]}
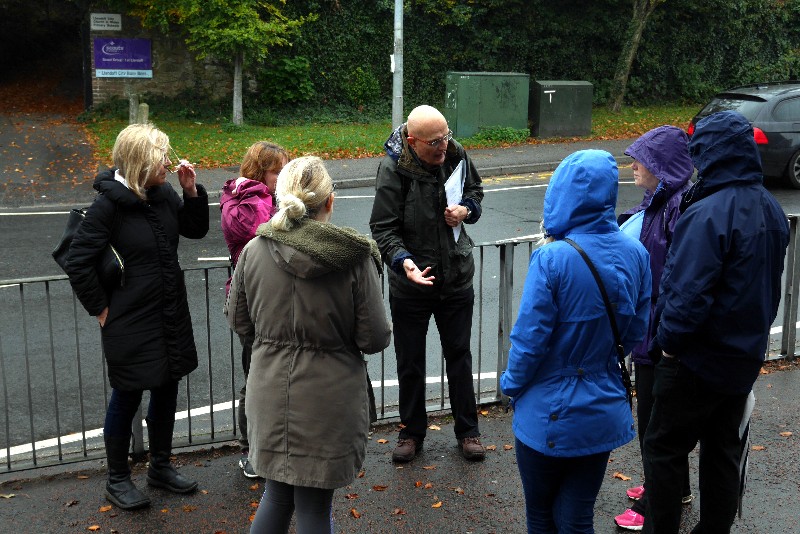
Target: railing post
{"points": [[790, 294], [504, 300], [138, 436]]}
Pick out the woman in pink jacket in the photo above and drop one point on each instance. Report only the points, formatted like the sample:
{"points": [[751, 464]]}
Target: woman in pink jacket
{"points": [[246, 203]]}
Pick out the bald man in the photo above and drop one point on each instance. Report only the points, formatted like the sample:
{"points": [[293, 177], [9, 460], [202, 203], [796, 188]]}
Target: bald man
{"points": [[430, 273]]}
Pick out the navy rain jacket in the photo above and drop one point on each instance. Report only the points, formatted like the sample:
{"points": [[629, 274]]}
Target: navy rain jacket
{"points": [[721, 285]]}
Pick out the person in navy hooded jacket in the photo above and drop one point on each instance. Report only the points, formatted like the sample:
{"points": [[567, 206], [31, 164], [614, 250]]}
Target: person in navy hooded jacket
{"points": [[663, 168], [719, 295], [570, 406]]}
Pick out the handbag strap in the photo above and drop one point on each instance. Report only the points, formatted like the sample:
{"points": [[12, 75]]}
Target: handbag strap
{"points": [[626, 377]]}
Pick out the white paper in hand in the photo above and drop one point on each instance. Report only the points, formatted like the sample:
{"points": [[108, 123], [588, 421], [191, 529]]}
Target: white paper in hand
{"points": [[454, 188]]}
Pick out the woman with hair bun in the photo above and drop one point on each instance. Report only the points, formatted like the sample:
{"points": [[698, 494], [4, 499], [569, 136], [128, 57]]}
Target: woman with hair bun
{"points": [[309, 293]]}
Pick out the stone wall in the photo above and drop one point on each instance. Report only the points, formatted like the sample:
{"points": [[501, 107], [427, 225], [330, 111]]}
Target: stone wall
{"points": [[174, 68]]}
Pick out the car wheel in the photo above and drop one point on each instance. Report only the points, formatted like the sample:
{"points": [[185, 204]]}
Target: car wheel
{"points": [[793, 171]]}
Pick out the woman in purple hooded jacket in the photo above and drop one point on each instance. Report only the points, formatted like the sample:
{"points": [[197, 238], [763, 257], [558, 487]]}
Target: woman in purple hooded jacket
{"points": [[662, 167], [246, 203]]}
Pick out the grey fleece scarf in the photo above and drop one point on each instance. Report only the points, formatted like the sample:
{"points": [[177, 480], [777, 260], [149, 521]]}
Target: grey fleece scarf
{"points": [[337, 247]]}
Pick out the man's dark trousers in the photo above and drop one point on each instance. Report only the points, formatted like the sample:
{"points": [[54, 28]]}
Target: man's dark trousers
{"points": [[453, 316], [687, 411]]}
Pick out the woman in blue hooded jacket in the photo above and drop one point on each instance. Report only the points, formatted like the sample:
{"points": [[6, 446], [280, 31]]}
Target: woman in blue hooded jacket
{"points": [[663, 168], [570, 406]]}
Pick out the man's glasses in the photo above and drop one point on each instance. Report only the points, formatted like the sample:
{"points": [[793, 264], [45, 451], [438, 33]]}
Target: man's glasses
{"points": [[437, 142]]}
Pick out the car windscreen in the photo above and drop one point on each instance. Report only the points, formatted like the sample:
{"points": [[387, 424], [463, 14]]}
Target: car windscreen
{"points": [[747, 106]]}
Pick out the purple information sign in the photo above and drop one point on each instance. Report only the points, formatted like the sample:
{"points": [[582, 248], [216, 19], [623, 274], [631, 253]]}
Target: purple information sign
{"points": [[122, 58]]}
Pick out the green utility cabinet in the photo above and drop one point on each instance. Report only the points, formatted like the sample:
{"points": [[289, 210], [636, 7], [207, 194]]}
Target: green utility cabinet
{"points": [[560, 108], [475, 99]]}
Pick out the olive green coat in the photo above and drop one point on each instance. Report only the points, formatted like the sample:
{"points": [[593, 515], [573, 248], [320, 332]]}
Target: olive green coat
{"points": [[312, 299]]}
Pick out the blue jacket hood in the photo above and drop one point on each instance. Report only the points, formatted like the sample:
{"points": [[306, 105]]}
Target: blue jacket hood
{"points": [[723, 151], [663, 151], [582, 195]]}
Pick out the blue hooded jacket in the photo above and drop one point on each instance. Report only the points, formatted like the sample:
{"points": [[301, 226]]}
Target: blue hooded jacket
{"points": [[664, 152], [563, 373], [721, 285]]}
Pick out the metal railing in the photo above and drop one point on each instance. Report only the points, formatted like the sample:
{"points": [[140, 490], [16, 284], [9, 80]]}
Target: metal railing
{"points": [[55, 389]]}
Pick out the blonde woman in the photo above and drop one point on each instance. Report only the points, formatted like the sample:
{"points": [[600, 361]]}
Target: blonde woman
{"points": [[309, 293], [146, 328]]}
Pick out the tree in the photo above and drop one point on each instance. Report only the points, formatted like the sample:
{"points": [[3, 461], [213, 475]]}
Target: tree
{"points": [[642, 9], [226, 29]]}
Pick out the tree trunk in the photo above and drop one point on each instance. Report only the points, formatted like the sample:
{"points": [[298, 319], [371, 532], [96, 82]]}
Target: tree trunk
{"points": [[642, 9], [238, 118]]}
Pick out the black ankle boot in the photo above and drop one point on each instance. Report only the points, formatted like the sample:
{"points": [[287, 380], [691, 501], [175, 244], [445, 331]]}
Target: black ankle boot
{"points": [[119, 488], [161, 473]]}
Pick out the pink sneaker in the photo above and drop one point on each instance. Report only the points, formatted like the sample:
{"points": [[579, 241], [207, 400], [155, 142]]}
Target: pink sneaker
{"points": [[629, 520], [635, 493]]}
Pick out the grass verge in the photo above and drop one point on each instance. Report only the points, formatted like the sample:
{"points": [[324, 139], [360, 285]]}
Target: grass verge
{"points": [[217, 144]]}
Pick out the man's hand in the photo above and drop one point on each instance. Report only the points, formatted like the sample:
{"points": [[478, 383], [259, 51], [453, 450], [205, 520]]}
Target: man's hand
{"points": [[415, 275], [453, 215], [102, 317], [187, 178]]}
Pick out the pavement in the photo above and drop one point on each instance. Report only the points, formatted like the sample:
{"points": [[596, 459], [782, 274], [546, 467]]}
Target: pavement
{"points": [[438, 492], [60, 188]]}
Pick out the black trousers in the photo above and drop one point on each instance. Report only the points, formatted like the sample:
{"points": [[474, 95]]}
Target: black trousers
{"points": [[686, 411], [645, 375], [453, 316]]}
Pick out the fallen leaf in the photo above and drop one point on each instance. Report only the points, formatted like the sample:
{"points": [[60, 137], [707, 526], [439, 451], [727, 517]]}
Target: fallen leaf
{"points": [[763, 371], [351, 496], [757, 448], [434, 427], [490, 494], [70, 503], [254, 504], [106, 508], [165, 510], [437, 505], [429, 467], [491, 447], [507, 447], [252, 516], [189, 508], [82, 477], [354, 513], [786, 434], [379, 487], [458, 490], [484, 412], [382, 441], [621, 476], [398, 511], [12, 495], [428, 485], [361, 474], [204, 492], [418, 484], [254, 487], [94, 528]]}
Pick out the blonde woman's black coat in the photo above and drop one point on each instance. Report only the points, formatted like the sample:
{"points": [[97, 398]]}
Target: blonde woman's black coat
{"points": [[147, 337]]}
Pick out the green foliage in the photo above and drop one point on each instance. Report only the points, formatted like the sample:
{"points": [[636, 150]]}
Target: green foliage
{"points": [[363, 88], [499, 135], [286, 80]]}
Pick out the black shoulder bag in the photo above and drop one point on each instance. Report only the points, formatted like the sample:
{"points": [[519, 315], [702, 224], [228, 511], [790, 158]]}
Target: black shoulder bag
{"points": [[626, 377], [110, 265]]}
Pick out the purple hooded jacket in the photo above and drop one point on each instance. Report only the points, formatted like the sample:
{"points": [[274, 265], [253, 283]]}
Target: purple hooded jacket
{"points": [[245, 205], [664, 152]]}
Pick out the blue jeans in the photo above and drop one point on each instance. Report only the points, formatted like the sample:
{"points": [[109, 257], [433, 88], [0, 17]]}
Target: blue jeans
{"points": [[560, 492], [123, 405]]}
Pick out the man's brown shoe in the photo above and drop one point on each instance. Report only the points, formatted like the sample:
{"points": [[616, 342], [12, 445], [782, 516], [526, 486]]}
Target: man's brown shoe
{"points": [[471, 448], [406, 449]]}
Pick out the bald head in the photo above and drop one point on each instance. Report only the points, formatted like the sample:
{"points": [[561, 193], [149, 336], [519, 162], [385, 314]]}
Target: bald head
{"points": [[426, 122]]}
